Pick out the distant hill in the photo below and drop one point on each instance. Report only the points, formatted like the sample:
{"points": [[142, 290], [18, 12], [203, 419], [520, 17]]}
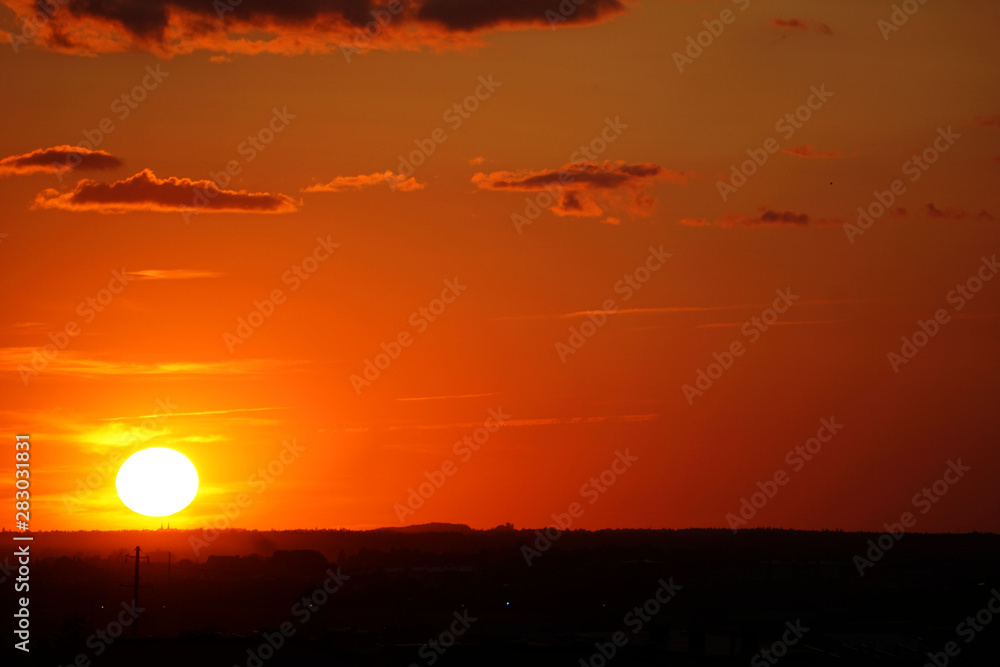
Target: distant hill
{"points": [[430, 528]]}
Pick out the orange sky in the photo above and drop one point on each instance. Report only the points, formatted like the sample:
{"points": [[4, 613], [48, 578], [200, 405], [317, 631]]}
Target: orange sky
{"points": [[310, 142]]}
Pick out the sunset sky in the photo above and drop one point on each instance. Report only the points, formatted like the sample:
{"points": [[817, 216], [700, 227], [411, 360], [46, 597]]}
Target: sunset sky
{"points": [[168, 168]]}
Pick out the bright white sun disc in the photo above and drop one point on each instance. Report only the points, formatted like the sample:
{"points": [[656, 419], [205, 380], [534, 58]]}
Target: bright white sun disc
{"points": [[157, 482]]}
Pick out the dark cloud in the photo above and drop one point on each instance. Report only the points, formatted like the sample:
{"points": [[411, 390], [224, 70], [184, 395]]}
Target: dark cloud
{"points": [[801, 24], [168, 27], [956, 214], [989, 121], [146, 192], [807, 150], [57, 159], [475, 15], [770, 217], [784, 217], [578, 186], [765, 217]]}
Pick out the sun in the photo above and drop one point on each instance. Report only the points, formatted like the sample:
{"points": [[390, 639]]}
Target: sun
{"points": [[157, 482]]}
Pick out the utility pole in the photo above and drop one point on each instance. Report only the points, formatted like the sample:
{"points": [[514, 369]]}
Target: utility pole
{"points": [[135, 591]]}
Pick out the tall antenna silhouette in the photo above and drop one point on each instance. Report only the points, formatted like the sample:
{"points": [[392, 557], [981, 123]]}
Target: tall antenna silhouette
{"points": [[135, 590]]}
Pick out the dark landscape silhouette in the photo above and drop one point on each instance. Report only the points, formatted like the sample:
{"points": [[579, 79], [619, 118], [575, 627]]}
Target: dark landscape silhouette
{"points": [[390, 594]]}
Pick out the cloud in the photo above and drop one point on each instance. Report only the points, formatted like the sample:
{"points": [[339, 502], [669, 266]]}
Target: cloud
{"points": [[584, 188], [766, 217], [477, 160], [788, 323], [621, 311], [27, 326], [770, 217], [146, 192], [342, 183], [544, 421], [56, 160], [668, 310], [801, 24], [67, 362], [989, 121], [171, 274], [956, 214], [445, 397], [229, 411], [807, 150], [170, 27]]}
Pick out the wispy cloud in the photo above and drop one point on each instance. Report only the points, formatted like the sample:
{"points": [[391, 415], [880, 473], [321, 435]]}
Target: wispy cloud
{"points": [[659, 310], [172, 274], [779, 323], [344, 183], [194, 414], [445, 397], [26, 327], [545, 421], [72, 363]]}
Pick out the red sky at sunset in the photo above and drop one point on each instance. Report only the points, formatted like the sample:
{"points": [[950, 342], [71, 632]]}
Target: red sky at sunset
{"points": [[224, 222]]}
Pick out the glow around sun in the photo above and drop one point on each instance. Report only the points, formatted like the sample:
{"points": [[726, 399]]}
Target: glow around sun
{"points": [[157, 482]]}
